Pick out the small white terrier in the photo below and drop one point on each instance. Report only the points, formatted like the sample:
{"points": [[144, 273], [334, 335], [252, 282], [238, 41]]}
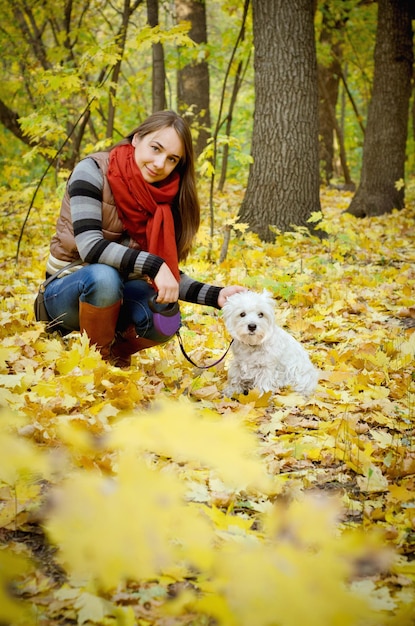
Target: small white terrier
{"points": [[265, 356]]}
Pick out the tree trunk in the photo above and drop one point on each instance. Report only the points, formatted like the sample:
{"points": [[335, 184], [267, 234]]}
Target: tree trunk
{"points": [[383, 162], [159, 101], [117, 68], [332, 124], [193, 79], [283, 183], [237, 82], [329, 79]]}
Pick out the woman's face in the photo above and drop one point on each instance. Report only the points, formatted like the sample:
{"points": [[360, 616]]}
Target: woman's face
{"points": [[158, 153]]}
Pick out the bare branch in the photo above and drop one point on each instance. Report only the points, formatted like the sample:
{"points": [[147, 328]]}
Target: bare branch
{"points": [[10, 119]]}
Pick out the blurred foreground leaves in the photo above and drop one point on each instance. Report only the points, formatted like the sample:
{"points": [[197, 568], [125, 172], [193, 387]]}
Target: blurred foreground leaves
{"points": [[148, 497]]}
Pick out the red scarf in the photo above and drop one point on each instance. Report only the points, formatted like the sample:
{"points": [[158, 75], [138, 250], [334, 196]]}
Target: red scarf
{"points": [[145, 210]]}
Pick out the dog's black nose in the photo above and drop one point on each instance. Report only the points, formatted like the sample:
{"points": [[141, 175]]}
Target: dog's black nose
{"points": [[251, 327]]}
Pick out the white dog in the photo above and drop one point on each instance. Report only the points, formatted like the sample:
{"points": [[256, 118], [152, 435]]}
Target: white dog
{"points": [[265, 356]]}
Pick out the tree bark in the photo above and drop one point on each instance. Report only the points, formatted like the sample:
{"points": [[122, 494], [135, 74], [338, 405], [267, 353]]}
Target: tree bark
{"points": [[193, 84], [329, 79], [237, 82], [117, 68], [283, 182], [332, 124], [159, 101], [10, 120], [383, 163]]}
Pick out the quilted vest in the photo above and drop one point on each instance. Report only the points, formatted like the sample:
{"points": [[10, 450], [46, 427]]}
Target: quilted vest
{"points": [[63, 246]]}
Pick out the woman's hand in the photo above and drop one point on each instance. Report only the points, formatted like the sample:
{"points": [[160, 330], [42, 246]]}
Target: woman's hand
{"points": [[167, 285], [229, 291]]}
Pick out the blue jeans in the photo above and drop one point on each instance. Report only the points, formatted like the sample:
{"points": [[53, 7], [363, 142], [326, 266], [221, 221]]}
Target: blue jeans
{"points": [[100, 285]]}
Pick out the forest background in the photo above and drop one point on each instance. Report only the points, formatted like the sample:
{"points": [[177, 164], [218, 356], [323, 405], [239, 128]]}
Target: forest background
{"points": [[147, 497]]}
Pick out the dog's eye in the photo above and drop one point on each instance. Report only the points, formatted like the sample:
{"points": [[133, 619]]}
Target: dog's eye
{"points": [[243, 314], [260, 315]]}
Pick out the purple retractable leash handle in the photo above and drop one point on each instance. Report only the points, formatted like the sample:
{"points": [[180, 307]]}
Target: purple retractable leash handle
{"points": [[166, 317]]}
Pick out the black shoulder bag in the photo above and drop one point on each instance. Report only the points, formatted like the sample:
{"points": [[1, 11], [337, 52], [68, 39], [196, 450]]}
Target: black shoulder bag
{"points": [[41, 315]]}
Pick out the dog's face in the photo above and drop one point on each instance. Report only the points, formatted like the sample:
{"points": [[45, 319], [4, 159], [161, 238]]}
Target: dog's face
{"points": [[249, 317]]}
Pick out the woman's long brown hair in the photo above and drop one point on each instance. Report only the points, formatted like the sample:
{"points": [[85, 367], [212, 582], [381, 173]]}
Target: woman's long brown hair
{"points": [[188, 201]]}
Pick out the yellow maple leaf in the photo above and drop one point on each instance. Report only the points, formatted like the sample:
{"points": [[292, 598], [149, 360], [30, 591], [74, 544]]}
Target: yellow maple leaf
{"points": [[92, 608], [255, 397], [372, 481], [68, 361], [46, 389], [316, 216], [227, 522], [408, 347], [12, 568], [23, 497], [401, 493], [21, 460]]}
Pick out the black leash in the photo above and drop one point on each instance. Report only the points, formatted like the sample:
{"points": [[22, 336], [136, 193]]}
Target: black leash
{"points": [[187, 357]]}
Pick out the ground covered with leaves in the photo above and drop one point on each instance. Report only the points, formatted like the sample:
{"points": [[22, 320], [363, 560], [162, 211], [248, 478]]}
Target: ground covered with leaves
{"points": [[145, 496]]}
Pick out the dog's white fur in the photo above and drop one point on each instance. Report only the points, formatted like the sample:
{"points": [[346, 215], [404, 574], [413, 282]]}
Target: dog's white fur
{"points": [[265, 357]]}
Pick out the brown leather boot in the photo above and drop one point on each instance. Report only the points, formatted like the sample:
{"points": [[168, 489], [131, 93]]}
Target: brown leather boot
{"points": [[99, 324], [126, 344]]}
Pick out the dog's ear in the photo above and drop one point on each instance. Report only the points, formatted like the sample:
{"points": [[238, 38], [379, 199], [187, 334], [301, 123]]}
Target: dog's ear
{"points": [[231, 301], [268, 295], [226, 310]]}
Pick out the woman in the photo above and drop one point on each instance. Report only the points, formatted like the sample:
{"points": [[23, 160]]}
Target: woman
{"points": [[129, 215]]}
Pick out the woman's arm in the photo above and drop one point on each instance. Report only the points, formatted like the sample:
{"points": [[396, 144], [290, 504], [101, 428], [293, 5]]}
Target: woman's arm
{"points": [[85, 192], [203, 293]]}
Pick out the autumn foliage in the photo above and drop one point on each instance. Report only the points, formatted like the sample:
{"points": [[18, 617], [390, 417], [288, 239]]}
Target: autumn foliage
{"points": [[145, 496]]}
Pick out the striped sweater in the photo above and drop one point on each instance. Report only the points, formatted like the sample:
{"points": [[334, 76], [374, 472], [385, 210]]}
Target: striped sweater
{"points": [[89, 228]]}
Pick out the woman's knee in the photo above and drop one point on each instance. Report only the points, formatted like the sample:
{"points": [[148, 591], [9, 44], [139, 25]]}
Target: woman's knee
{"points": [[135, 308], [102, 285]]}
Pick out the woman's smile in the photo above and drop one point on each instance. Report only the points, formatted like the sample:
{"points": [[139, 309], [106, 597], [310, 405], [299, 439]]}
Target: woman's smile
{"points": [[157, 154]]}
